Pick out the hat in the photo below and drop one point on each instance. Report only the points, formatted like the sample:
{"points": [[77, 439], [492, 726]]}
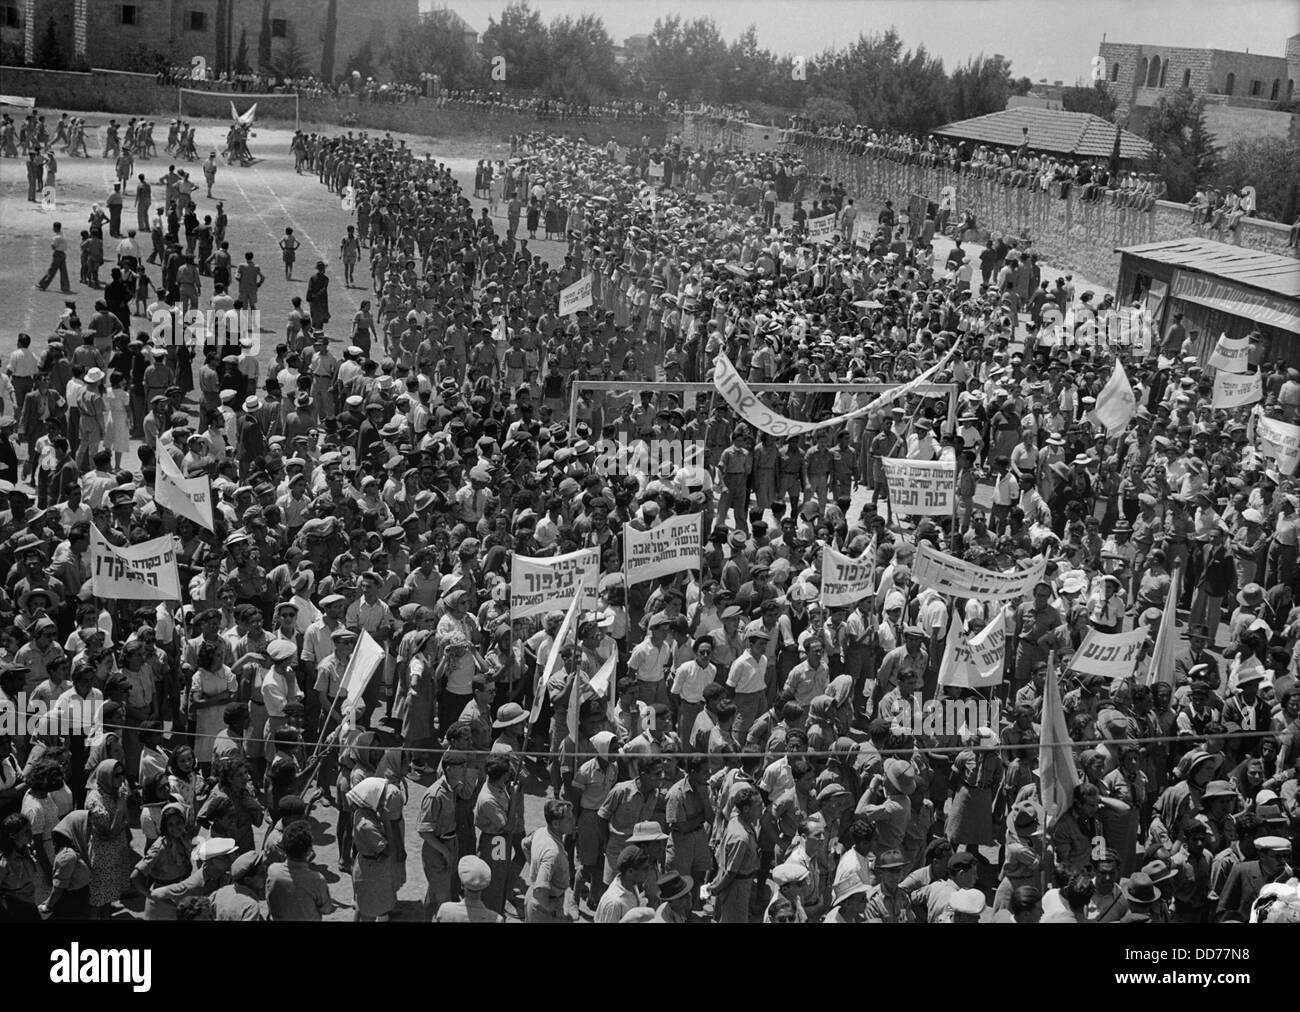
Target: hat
{"points": [[1218, 789], [852, 886], [600, 741], [509, 715], [474, 873], [1251, 594], [95, 375], [217, 846], [647, 832], [330, 599], [901, 775], [755, 630], [890, 859], [281, 650], [245, 865], [673, 885], [1140, 889], [788, 873], [967, 901], [1273, 843]]}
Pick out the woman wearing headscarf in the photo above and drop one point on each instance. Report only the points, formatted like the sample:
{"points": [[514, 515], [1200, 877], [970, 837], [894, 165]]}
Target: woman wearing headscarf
{"points": [[20, 875], [69, 898], [359, 762], [378, 836], [822, 728], [232, 784], [416, 668], [109, 853], [841, 691], [1021, 866], [167, 860]]}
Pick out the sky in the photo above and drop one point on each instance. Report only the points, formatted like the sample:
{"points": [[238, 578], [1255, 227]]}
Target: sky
{"points": [[1051, 39]]}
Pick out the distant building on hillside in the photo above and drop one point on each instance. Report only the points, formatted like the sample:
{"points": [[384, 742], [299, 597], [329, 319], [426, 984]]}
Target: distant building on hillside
{"points": [[1245, 94], [470, 35]]}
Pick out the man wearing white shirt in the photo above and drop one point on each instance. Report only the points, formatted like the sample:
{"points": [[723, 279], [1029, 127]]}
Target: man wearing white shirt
{"points": [[747, 679], [689, 681], [650, 660]]}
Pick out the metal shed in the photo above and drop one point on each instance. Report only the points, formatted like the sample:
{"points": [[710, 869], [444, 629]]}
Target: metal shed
{"points": [[1219, 289]]}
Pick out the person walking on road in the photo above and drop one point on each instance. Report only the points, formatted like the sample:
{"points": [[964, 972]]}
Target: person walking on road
{"points": [[58, 262]]}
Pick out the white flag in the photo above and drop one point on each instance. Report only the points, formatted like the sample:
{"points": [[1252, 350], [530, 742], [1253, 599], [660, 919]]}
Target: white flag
{"points": [[553, 659], [186, 497], [1116, 404], [362, 665], [1166, 645]]}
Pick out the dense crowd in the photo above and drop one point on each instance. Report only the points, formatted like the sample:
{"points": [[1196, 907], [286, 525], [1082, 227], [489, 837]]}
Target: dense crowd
{"points": [[714, 743]]}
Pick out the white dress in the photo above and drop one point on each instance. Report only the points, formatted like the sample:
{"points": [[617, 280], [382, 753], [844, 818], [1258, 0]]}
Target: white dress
{"points": [[210, 720], [118, 438]]}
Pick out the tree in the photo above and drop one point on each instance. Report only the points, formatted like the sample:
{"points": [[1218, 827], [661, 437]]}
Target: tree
{"points": [[1095, 98], [978, 87], [241, 53], [329, 39], [362, 61], [828, 111], [522, 41], [264, 39], [1186, 155], [143, 58], [49, 54], [291, 61], [434, 46], [1268, 164], [580, 49]]}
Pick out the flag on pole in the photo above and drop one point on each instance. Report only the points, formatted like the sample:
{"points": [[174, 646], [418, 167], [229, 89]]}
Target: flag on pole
{"points": [[1162, 654], [1057, 775], [364, 662], [553, 658], [186, 497], [602, 685], [1116, 404]]}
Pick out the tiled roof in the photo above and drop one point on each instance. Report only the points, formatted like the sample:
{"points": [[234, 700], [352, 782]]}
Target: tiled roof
{"points": [[1069, 133]]}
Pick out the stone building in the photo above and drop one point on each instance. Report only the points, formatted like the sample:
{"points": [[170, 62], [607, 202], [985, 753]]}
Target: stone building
{"points": [[1245, 94], [114, 35]]}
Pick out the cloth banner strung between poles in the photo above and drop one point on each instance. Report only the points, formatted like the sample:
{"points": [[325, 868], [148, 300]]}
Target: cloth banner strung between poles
{"points": [[742, 400], [671, 547], [939, 571], [921, 487], [846, 581], [143, 572], [540, 585]]}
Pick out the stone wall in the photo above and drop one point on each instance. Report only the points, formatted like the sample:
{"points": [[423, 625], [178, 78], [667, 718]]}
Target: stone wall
{"points": [[139, 95], [1067, 232]]}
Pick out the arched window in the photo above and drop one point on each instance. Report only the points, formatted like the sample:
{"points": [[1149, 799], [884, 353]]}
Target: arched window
{"points": [[1114, 72], [1164, 71], [1187, 78], [1277, 87], [1290, 90], [1230, 85], [1142, 72], [1153, 73]]}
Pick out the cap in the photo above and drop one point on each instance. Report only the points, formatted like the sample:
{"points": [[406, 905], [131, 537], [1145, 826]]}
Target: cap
{"points": [[281, 650], [474, 873], [220, 846], [967, 901]]}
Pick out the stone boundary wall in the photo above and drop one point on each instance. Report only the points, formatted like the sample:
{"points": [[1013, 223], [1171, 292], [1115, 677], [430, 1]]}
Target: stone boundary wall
{"points": [[118, 92], [1067, 232]]}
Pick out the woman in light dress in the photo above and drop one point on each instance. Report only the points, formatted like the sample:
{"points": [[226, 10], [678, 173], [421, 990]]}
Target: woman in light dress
{"points": [[119, 418]]}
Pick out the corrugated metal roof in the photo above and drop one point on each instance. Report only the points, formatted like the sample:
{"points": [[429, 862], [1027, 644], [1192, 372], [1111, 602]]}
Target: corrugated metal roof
{"points": [[1269, 272], [1070, 133]]}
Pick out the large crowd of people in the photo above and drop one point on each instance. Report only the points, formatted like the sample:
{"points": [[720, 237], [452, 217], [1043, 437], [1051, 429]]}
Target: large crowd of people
{"points": [[714, 743]]}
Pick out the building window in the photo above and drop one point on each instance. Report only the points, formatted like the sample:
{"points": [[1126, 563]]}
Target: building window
{"points": [[1277, 87], [1164, 72], [1290, 90], [12, 18], [1256, 89], [1153, 75], [198, 21], [279, 28], [1187, 78], [1114, 72], [1142, 72], [1230, 85]]}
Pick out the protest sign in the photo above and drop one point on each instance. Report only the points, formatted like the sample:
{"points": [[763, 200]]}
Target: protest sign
{"points": [[671, 547], [846, 581], [1281, 441], [932, 568], [1231, 354], [656, 170], [820, 229], [742, 400], [539, 585], [576, 296], [921, 487], [974, 662], [1232, 391], [186, 497], [143, 572], [1111, 655]]}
